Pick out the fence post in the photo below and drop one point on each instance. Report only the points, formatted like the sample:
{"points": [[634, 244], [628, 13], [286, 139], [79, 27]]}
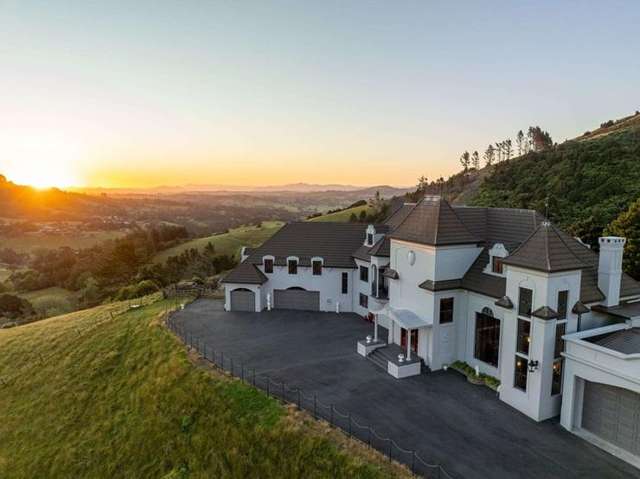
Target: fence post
{"points": [[390, 446], [222, 359], [331, 419], [299, 400], [315, 406], [254, 377], [242, 372], [231, 366], [268, 382], [413, 462], [349, 423], [369, 438], [284, 399]]}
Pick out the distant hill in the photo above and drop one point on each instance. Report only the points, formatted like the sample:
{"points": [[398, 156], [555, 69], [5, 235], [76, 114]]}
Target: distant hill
{"points": [[17, 201]]}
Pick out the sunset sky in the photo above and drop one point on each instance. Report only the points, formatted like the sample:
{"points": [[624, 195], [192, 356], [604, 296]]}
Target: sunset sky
{"points": [[271, 92]]}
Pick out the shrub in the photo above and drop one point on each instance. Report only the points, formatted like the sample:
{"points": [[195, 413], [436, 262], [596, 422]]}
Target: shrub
{"points": [[143, 288]]}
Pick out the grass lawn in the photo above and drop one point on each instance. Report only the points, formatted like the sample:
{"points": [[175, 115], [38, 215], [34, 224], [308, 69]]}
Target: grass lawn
{"points": [[91, 395], [342, 216], [4, 274], [226, 243], [27, 242], [52, 301]]}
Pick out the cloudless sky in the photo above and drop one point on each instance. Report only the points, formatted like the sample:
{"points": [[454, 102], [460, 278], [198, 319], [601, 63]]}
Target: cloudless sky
{"points": [[144, 93]]}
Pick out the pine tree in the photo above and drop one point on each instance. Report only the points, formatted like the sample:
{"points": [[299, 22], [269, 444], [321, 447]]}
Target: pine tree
{"points": [[489, 155], [465, 160], [475, 160], [520, 143]]}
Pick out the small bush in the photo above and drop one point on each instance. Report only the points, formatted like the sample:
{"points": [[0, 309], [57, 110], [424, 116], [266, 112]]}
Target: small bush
{"points": [[143, 288]]}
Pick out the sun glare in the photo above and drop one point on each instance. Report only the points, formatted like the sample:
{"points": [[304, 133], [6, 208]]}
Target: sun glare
{"points": [[42, 162]]}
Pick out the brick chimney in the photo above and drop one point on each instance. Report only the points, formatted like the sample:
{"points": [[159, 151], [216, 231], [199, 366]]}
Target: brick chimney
{"points": [[610, 268]]}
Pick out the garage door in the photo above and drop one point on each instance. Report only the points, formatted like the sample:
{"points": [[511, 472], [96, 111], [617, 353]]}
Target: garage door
{"points": [[296, 299], [612, 414], [243, 300]]}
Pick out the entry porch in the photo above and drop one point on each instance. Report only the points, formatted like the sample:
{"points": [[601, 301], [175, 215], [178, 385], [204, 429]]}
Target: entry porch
{"points": [[396, 349]]}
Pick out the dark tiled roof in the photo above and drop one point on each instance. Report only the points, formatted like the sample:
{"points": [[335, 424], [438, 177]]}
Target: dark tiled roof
{"points": [[477, 281], [434, 222], [545, 312], [363, 253], [381, 248], [245, 273], [545, 250], [440, 285], [334, 242], [626, 341], [390, 273], [622, 310], [579, 308], [504, 302], [399, 215]]}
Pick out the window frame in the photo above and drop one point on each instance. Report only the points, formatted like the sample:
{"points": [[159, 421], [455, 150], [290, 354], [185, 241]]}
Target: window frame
{"points": [[526, 314], [521, 335], [558, 359], [517, 374], [268, 265], [562, 312], [477, 350], [364, 300], [364, 274], [292, 262], [369, 239], [345, 283], [317, 272], [497, 265], [446, 318]]}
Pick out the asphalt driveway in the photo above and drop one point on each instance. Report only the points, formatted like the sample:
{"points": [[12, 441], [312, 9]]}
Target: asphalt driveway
{"points": [[447, 420]]}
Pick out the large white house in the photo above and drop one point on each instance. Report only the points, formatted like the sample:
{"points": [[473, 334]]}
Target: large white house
{"points": [[503, 290]]}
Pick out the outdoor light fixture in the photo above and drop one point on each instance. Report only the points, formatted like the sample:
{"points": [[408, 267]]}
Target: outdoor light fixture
{"points": [[368, 339], [533, 365]]}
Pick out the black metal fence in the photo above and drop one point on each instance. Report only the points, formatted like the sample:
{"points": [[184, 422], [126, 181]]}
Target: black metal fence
{"points": [[311, 403]]}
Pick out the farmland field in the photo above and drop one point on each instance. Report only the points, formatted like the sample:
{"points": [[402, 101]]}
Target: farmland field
{"points": [[28, 242]]}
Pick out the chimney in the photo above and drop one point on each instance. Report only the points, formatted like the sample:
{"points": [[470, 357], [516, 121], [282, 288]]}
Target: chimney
{"points": [[610, 268]]}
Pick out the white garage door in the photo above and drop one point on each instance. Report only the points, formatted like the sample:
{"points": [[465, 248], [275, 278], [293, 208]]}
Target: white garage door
{"points": [[243, 300], [612, 414], [296, 299]]}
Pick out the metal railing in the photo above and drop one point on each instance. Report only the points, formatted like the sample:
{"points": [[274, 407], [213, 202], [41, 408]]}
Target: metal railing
{"points": [[343, 420]]}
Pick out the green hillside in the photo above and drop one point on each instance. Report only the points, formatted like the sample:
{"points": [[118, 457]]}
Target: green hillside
{"points": [[589, 181], [109, 392], [344, 215], [226, 243]]}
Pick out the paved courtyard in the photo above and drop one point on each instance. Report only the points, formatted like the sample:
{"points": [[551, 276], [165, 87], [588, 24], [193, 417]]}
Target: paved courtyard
{"points": [[447, 420]]}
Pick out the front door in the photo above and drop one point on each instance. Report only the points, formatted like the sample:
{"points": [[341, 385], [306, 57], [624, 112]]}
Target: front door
{"points": [[414, 339]]}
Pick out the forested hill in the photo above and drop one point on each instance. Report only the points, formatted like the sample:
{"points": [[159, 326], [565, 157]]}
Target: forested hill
{"points": [[588, 182]]}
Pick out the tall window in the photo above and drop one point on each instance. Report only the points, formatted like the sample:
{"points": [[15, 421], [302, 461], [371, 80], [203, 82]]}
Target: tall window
{"points": [[556, 378], [345, 283], [268, 265], [563, 298], [364, 274], [293, 266], [317, 267], [520, 373], [364, 300], [525, 302], [446, 310], [524, 336], [487, 345], [496, 264]]}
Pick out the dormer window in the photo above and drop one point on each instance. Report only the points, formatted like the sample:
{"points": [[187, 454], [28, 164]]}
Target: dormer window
{"points": [[268, 265], [292, 264], [316, 266], [369, 239], [496, 265], [497, 254]]}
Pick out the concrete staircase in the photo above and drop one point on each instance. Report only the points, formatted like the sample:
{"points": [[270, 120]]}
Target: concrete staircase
{"points": [[378, 358]]}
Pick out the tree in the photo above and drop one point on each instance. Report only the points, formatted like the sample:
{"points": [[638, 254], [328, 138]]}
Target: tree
{"points": [[423, 184], [539, 140], [465, 160], [353, 218], [520, 143], [475, 160], [499, 151], [508, 148], [489, 155], [627, 225]]}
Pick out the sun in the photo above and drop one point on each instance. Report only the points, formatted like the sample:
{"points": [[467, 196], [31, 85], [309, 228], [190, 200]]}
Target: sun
{"points": [[42, 162]]}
